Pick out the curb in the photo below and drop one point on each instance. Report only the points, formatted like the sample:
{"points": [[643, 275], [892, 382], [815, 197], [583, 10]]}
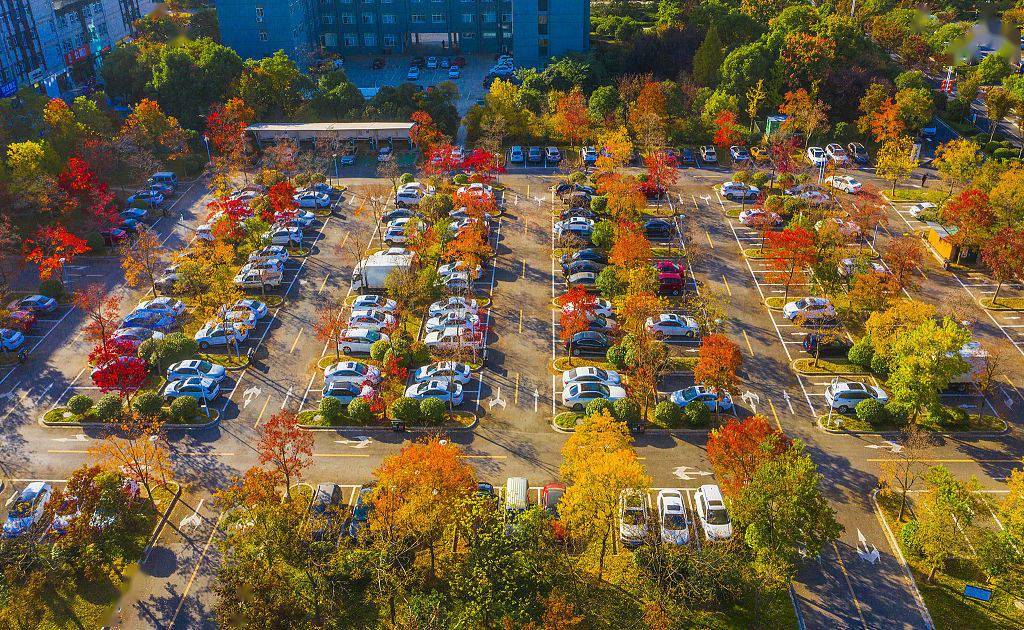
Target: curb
{"points": [[1003, 431], [894, 545], [382, 429]]}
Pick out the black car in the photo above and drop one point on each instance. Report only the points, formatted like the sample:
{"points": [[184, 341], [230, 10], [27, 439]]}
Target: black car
{"points": [[657, 228], [830, 348], [484, 489], [579, 266], [858, 153], [361, 510], [577, 199], [592, 343], [602, 325], [419, 62], [588, 253], [565, 188], [686, 157], [586, 213], [534, 155]]}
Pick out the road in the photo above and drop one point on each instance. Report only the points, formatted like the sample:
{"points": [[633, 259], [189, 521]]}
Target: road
{"points": [[847, 586]]}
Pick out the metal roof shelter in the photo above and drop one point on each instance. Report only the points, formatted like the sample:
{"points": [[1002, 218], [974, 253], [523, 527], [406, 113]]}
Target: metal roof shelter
{"points": [[309, 132]]}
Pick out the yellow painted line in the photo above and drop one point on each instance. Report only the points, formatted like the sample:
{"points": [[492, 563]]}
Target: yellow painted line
{"points": [[298, 336], [345, 240], [261, 413], [340, 455], [849, 584], [520, 321], [524, 270], [195, 571], [775, 414], [949, 461], [727, 287], [485, 456], [65, 451], [323, 284], [710, 242], [515, 400], [747, 339]]}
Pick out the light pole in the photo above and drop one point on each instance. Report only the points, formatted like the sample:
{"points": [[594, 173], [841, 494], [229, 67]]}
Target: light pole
{"points": [[65, 278], [206, 141]]}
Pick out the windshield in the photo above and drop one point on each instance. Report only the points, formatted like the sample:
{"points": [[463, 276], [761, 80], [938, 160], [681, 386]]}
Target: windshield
{"points": [[718, 516], [205, 366], [633, 516], [359, 368], [675, 521], [21, 509]]}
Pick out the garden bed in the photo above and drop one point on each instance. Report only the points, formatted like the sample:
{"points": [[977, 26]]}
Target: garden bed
{"points": [[229, 361], [836, 367], [1004, 304], [299, 252], [567, 420], [936, 196], [661, 251], [733, 213], [311, 418], [63, 416], [853, 424], [754, 252]]}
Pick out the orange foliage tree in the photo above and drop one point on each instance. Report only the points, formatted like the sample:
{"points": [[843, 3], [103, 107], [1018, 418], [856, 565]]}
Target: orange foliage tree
{"points": [[101, 311], [718, 363], [789, 254], [50, 248], [572, 120], [903, 256], [425, 133], [631, 247], [331, 322], [738, 449], [625, 199], [286, 447], [886, 123], [577, 309]]}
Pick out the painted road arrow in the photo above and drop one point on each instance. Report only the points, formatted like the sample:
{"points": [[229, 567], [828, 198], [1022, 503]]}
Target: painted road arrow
{"points": [[361, 441], [81, 437], [249, 394], [871, 556], [686, 473]]}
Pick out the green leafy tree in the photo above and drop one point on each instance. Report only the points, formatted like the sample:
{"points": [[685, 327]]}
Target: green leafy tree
{"points": [[923, 362], [708, 59], [998, 103], [944, 511], [272, 86]]}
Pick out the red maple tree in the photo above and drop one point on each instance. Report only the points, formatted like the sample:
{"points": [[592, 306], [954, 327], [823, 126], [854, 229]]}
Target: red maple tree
{"points": [[718, 363], [727, 130], [85, 194], [482, 166], [225, 126], [739, 448], [52, 247], [124, 375], [101, 310], [662, 170], [1003, 254], [281, 200], [972, 214], [425, 133], [441, 159], [789, 254], [286, 447]]}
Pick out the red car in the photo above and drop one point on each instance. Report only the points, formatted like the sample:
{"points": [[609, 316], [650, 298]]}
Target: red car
{"points": [[459, 62], [20, 320], [668, 266], [670, 283]]}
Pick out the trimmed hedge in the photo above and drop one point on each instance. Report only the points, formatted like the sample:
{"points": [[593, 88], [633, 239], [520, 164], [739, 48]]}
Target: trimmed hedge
{"points": [[79, 404]]}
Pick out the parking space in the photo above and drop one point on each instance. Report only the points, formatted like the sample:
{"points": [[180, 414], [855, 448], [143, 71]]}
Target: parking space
{"points": [[395, 71]]}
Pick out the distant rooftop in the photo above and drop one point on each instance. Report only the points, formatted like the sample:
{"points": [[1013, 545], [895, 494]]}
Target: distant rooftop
{"points": [[329, 126]]}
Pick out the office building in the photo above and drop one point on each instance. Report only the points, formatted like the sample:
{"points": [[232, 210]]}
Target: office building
{"points": [[57, 45], [532, 30]]}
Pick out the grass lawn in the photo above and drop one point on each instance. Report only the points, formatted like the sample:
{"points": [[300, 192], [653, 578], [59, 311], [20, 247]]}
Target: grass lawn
{"points": [[312, 417], [827, 367], [227, 359], [944, 595], [660, 251], [936, 196], [984, 424], [1004, 304]]}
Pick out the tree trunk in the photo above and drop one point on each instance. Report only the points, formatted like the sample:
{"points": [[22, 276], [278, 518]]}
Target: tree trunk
{"points": [[931, 574], [995, 297], [903, 506], [455, 541], [433, 562], [894, 185], [600, 561]]}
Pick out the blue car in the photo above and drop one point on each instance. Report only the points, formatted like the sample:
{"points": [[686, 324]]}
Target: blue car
{"points": [[134, 214], [28, 509], [360, 512], [35, 303], [706, 395], [150, 320]]}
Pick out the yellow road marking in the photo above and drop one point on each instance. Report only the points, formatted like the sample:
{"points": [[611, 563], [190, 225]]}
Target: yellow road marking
{"points": [[727, 287], [747, 339], [261, 413], [323, 284], [195, 571], [849, 584], [213, 454], [340, 455], [710, 242], [774, 414], [516, 398], [298, 335], [344, 240], [524, 270]]}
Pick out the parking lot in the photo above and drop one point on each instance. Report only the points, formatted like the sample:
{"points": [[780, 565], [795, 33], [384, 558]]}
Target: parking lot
{"points": [[360, 71]]}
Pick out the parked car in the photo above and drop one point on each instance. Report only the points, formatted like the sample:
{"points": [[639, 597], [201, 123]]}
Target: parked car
{"points": [[375, 302], [196, 367], [163, 305], [850, 266], [454, 72], [257, 308], [370, 319], [847, 229], [146, 197], [448, 305], [151, 320], [577, 225], [589, 156], [38, 304], [359, 340], [288, 236], [707, 395], [439, 388], [809, 308], [634, 517], [352, 372], [113, 236], [577, 395], [832, 346], [198, 387], [312, 199], [671, 283], [133, 337], [385, 154], [859, 153], [413, 74], [454, 338], [432, 62], [362, 507], [844, 183], [459, 267], [590, 374], [27, 509], [599, 308], [844, 396], [672, 325], [587, 253], [552, 155], [133, 214], [462, 319], [658, 228], [11, 340], [345, 392], [550, 495], [582, 266], [534, 155], [20, 320], [672, 518], [327, 498], [816, 156], [738, 191], [739, 154], [712, 513], [454, 370], [585, 279], [516, 155], [917, 209], [587, 343], [217, 334], [759, 217], [270, 252], [836, 153], [687, 157], [708, 155]]}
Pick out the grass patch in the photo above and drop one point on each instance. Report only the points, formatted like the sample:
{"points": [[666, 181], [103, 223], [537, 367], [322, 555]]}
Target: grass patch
{"points": [[312, 418], [935, 196], [754, 252], [776, 303], [1004, 304], [299, 252], [944, 595], [228, 360], [732, 213], [660, 251], [659, 212], [567, 420], [562, 364], [984, 424], [272, 300], [60, 415], [828, 367], [682, 364]]}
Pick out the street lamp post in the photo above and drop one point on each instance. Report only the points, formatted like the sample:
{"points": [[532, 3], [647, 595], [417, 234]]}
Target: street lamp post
{"points": [[206, 141]]}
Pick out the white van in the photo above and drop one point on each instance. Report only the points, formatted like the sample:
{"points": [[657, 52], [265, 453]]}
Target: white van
{"points": [[165, 177], [516, 489]]}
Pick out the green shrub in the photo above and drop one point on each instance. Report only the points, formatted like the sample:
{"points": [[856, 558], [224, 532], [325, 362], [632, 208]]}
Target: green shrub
{"points": [[577, 177], [872, 412], [880, 366], [627, 410], [949, 417], [896, 412], [911, 542], [599, 203], [603, 235], [697, 414], [79, 404], [992, 146], [108, 408], [760, 179], [406, 409], [331, 409], [148, 404], [461, 179], [1005, 154], [419, 353], [359, 411], [432, 410], [171, 349], [610, 283], [379, 349], [301, 180], [667, 413], [406, 178], [861, 352], [616, 355], [52, 288], [841, 133], [598, 405], [184, 409]]}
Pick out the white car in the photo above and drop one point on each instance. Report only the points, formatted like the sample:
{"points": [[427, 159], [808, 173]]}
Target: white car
{"points": [[577, 225], [672, 325], [195, 367], [26, 510], [271, 266], [738, 191], [476, 189], [672, 518], [817, 156], [577, 395], [590, 374], [454, 338], [465, 319], [815, 197], [432, 62], [634, 517], [163, 305], [918, 209], [439, 388], [345, 392], [459, 266], [287, 236], [844, 183], [217, 334], [413, 73], [375, 302], [240, 317], [847, 229], [758, 216], [312, 199], [844, 396], [809, 308], [451, 304], [205, 232], [602, 308], [352, 372], [257, 308], [384, 154], [359, 340], [395, 235], [370, 319], [458, 281], [849, 266], [836, 153], [270, 252], [453, 370], [712, 513], [463, 213]]}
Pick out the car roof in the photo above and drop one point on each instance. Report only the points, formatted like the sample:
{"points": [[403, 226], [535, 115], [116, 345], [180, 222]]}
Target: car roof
{"points": [[711, 492]]}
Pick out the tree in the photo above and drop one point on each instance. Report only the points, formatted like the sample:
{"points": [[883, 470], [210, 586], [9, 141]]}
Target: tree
{"points": [[958, 161], [141, 455], [331, 323], [727, 130], [101, 310], [886, 123], [51, 249], [625, 200], [942, 512], [870, 291], [273, 86], [577, 309], [916, 107], [604, 103], [755, 96], [662, 171], [1003, 254], [425, 133], [1007, 197], [885, 328], [924, 361], [637, 307], [895, 160], [718, 362], [790, 253], [598, 464], [617, 150], [708, 59], [647, 118], [804, 113], [971, 213], [571, 118], [84, 196], [740, 447], [631, 247], [285, 446], [904, 469], [142, 259], [998, 103], [149, 128]]}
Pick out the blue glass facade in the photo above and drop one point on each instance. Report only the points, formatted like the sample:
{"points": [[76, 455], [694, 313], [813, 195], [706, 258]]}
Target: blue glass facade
{"points": [[533, 30]]}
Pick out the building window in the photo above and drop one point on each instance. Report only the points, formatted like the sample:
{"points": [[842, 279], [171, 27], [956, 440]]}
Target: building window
{"points": [[370, 39], [469, 35], [351, 40], [331, 40], [490, 18], [328, 18], [389, 40], [437, 18], [367, 18], [417, 18], [490, 34], [264, 36], [347, 18], [542, 47], [259, 14], [467, 18], [388, 18], [506, 18]]}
